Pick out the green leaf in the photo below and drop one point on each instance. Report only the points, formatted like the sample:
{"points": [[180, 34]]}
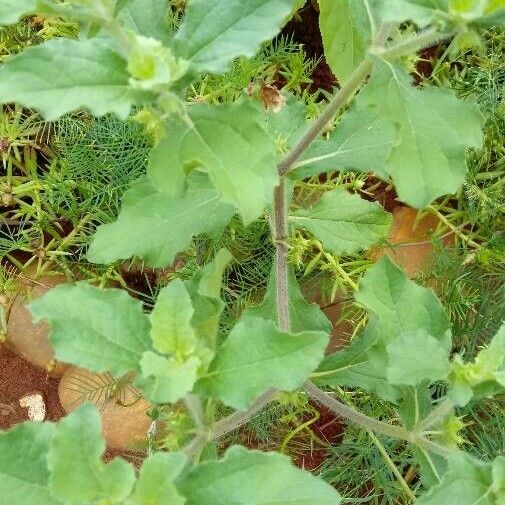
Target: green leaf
{"points": [[498, 472], [165, 380], [398, 307], [103, 330], [362, 364], [229, 141], [466, 482], [303, 316], [435, 129], [416, 357], [245, 477], [205, 290], [288, 125], [361, 141], [432, 466], [421, 12], [24, 477], [63, 75], [167, 167], [415, 405], [12, 11], [476, 10], [171, 329], [155, 485], [343, 222], [156, 227], [77, 473], [209, 278], [347, 34], [147, 17], [256, 357], [214, 33], [401, 305], [482, 377]]}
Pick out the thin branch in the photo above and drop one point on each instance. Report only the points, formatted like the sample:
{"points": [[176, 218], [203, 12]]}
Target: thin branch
{"points": [[390, 463], [341, 98], [412, 45], [237, 419], [369, 423], [195, 409], [354, 416], [281, 256], [439, 413]]}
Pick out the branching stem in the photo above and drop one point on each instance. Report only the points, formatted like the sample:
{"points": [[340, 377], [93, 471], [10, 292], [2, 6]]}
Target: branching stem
{"points": [[280, 235]]}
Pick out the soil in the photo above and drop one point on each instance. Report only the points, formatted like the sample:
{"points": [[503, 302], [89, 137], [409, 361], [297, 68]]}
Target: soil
{"points": [[18, 378], [327, 428], [304, 29]]}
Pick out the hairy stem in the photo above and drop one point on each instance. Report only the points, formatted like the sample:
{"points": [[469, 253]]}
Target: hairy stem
{"points": [[280, 232], [354, 416], [195, 409], [237, 419], [437, 414], [281, 256], [339, 100], [412, 45]]}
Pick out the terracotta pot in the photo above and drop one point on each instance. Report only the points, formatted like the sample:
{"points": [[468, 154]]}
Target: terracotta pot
{"points": [[411, 246], [30, 340], [333, 310], [125, 423]]}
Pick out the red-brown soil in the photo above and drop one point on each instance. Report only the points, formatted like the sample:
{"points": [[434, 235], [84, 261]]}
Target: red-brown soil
{"points": [[328, 429], [304, 29], [18, 378]]}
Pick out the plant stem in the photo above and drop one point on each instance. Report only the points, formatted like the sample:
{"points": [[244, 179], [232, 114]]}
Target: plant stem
{"points": [[194, 407], [237, 419], [354, 416], [344, 94], [442, 410], [413, 44], [339, 100], [281, 256], [196, 445], [280, 232]]}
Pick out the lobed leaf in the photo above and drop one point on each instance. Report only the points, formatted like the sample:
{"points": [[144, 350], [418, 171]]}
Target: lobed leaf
{"points": [[148, 18], [399, 309], [256, 357], [347, 34], [94, 76], [103, 330], [416, 357], [467, 482], [245, 477], [214, 33], [154, 226], [11, 11], [421, 12], [24, 476], [86, 479], [343, 222], [171, 329], [400, 304], [205, 292], [229, 142], [360, 141], [435, 129], [166, 380], [155, 484]]}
